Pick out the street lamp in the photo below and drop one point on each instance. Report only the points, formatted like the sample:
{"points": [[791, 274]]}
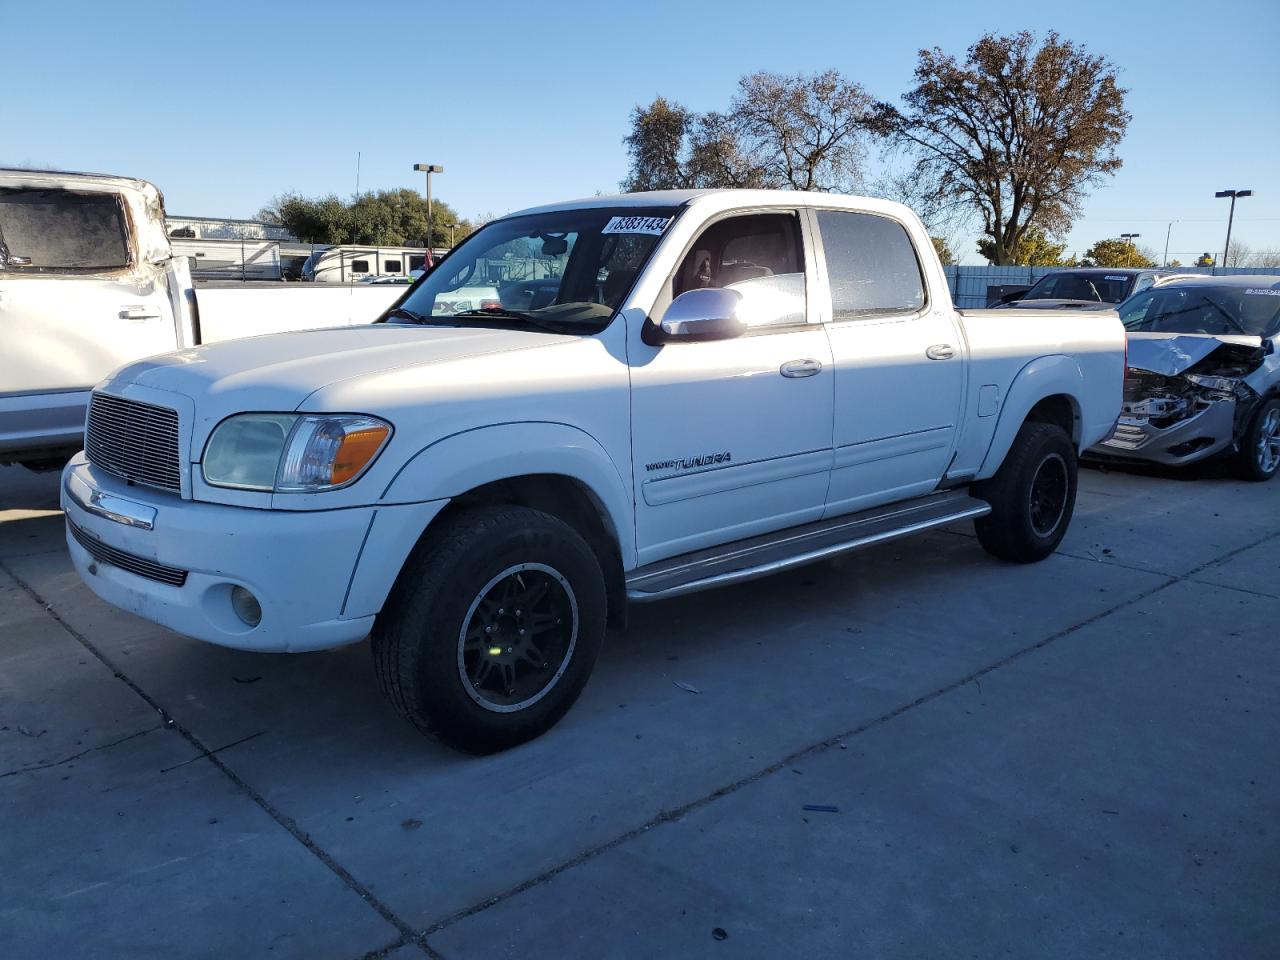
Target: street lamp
{"points": [[1165, 262], [1128, 254], [451, 227], [1231, 216], [428, 169]]}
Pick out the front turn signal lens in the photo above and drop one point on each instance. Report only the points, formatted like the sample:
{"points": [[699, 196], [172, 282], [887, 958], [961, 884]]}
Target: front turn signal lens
{"points": [[326, 452], [356, 451]]}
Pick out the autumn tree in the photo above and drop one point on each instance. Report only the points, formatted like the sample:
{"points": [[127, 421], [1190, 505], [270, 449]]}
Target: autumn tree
{"points": [[1016, 133], [1034, 249], [804, 132], [943, 250], [1117, 253]]}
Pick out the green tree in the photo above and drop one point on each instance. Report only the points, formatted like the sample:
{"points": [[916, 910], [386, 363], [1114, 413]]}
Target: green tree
{"points": [[1016, 133], [1116, 253], [386, 218], [944, 251], [1034, 250]]}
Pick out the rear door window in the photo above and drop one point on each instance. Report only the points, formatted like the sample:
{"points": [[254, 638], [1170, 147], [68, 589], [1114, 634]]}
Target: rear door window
{"points": [[872, 266], [62, 231]]}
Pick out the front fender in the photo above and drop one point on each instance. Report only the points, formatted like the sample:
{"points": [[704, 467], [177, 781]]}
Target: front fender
{"points": [[1042, 377], [463, 461]]}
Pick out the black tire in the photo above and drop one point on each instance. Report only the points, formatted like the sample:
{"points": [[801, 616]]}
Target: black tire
{"points": [[1032, 496], [1259, 458], [454, 583]]}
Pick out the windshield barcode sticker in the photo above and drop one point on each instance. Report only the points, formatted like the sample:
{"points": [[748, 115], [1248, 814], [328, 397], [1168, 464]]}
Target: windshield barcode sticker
{"points": [[647, 225], [1263, 292], [1115, 278]]}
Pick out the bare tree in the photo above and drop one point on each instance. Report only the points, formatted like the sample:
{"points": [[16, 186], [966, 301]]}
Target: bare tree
{"points": [[1265, 258], [807, 132], [1016, 133], [1239, 254]]}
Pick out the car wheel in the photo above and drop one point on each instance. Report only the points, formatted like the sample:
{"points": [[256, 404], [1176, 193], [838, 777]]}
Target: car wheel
{"points": [[1032, 496], [492, 628], [1259, 456]]}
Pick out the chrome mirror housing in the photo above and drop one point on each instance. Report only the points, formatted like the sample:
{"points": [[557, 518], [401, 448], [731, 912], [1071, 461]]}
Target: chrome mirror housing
{"points": [[705, 314]]}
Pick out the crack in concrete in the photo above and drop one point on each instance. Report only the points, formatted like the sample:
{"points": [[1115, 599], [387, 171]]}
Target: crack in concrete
{"points": [[77, 756], [419, 939], [813, 750], [407, 933]]}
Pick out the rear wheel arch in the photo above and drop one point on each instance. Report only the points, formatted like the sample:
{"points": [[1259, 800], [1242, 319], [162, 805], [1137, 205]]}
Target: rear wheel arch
{"points": [[1060, 409]]}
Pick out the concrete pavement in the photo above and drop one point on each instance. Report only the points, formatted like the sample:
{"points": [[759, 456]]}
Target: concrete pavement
{"points": [[1072, 758]]}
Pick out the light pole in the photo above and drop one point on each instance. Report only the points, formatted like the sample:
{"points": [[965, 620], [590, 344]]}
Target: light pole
{"points": [[428, 169], [1128, 254], [1165, 261], [1231, 216], [451, 227]]}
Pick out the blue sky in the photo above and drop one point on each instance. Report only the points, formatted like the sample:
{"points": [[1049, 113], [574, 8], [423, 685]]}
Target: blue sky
{"points": [[224, 105]]}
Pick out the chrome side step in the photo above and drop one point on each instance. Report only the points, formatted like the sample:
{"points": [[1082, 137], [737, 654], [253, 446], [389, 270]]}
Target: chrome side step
{"points": [[760, 556]]}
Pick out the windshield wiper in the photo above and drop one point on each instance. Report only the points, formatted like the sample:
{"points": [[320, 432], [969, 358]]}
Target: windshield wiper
{"points": [[501, 313], [407, 315]]}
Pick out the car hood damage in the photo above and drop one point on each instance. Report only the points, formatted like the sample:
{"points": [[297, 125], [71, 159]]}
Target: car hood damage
{"points": [[1172, 354]]}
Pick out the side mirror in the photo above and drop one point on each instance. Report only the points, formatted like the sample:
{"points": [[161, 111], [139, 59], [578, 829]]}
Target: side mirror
{"points": [[710, 314]]}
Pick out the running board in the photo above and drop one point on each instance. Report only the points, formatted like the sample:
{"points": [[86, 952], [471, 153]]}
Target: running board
{"points": [[760, 556]]}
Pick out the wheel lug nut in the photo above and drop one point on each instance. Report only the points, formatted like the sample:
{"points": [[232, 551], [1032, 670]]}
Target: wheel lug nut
{"points": [[489, 629], [521, 631], [501, 611]]}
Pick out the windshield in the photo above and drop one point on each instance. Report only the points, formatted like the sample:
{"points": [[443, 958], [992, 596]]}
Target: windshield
{"points": [[1254, 311], [564, 270], [1098, 287]]}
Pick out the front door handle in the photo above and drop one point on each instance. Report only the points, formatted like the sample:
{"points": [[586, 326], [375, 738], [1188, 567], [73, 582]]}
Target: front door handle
{"points": [[800, 368], [138, 313], [940, 351]]}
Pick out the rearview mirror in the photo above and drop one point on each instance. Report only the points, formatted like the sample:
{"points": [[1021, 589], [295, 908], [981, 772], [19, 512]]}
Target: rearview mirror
{"points": [[710, 314]]}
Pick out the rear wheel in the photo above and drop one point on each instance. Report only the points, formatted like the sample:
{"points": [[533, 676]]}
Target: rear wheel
{"points": [[1259, 456], [1032, 496], [492, 629]]}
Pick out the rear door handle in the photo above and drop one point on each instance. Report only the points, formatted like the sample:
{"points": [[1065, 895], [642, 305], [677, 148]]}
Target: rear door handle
{"points": [[138, 313], [800, 368], [940, 351]]}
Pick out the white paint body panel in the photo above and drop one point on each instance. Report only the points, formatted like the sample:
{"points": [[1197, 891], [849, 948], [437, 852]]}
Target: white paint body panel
{"points": [[469, 406]]}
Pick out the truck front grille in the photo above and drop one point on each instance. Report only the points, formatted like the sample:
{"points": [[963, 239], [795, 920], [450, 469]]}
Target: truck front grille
{"points": [[134, 440], [127, 561]]}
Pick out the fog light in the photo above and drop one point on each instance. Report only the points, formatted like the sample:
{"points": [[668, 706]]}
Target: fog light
{"points": [[246, 606]]}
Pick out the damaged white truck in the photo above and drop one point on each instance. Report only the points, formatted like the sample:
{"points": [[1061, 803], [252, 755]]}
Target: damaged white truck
{"points": [[1204, 375], [674, 391], [88, 282]]}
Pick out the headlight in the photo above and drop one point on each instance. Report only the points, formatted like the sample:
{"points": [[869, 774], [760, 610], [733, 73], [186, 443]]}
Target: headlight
{"points": [[285, 452]]}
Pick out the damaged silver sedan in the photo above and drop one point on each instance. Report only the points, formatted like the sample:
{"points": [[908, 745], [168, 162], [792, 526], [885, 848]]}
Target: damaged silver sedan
{"points": [[1203, 376]]}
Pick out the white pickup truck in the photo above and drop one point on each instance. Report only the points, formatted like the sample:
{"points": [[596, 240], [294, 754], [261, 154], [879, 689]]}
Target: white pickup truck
{"points": [[679, 390]]}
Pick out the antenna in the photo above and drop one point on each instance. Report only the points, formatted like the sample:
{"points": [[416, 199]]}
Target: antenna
{"points": [[357, 196]]}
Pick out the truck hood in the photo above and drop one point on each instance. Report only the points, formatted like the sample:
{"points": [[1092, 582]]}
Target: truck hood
{"points": [[279, 371], [1173, 353]]}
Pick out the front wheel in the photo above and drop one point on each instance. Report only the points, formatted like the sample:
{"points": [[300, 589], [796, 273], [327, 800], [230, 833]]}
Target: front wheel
{"points": [[1032, 496], [492, 628], [1259, 456]]}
